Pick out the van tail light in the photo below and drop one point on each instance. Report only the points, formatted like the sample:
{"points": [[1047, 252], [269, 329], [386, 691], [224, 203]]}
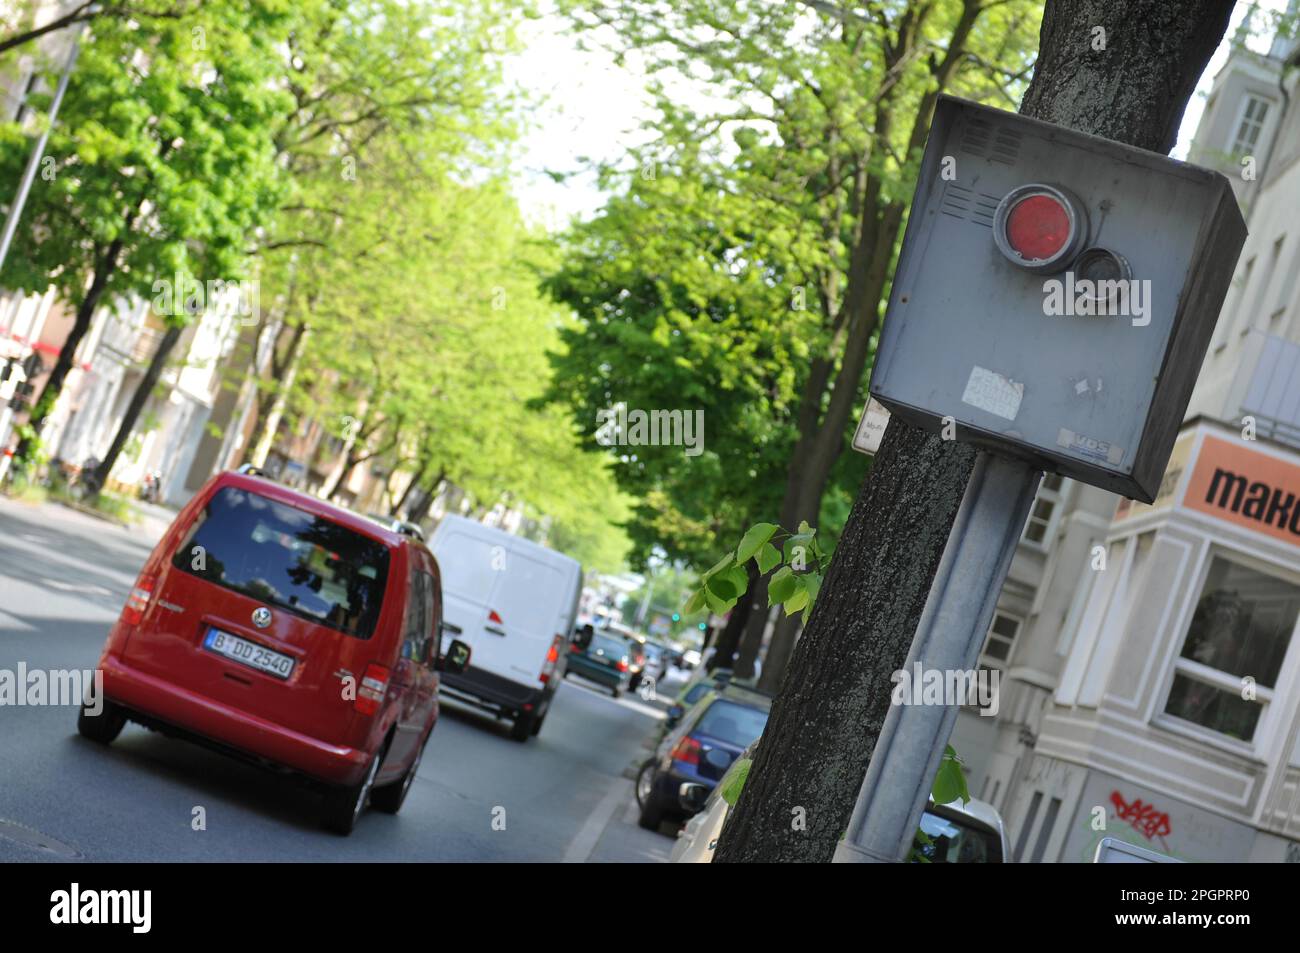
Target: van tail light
{"points": [[552, 659], [687, 750], [622, 665], [373, 688], [138, 600]]}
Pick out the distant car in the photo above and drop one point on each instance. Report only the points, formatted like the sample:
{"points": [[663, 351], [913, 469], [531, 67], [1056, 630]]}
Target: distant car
{"points": [[601, 657], [970, 833], [514, 602], [251, 618], [699, 751], [656, 660], [691, 658]]}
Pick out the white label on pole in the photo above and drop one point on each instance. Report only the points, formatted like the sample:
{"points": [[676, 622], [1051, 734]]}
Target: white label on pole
{"points": [[990, 391], [871, 427]]}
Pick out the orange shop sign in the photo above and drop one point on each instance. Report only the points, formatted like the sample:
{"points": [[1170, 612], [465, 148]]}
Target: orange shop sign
{"points": [[1251, 489]]}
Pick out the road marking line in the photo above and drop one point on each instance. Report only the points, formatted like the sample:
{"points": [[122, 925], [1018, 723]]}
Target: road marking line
{"points": [[584, 842]]}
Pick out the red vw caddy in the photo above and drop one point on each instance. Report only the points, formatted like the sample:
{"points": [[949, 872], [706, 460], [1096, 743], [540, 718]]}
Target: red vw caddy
{"points": [[281, 629]]}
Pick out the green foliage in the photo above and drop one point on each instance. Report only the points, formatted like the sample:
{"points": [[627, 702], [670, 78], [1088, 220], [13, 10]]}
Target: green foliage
{"points": [[794, 585], [950, 782], [736, 782]]}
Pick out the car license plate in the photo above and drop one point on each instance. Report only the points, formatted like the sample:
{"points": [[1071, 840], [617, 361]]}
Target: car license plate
{"points": [[249, 653]]}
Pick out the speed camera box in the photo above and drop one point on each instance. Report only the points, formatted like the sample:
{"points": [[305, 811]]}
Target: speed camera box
{"points": [[1054, 295]]}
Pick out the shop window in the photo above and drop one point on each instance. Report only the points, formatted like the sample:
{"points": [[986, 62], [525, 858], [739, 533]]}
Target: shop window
{"points": [[1240, 630], [1000, 641], [1042, 516]]}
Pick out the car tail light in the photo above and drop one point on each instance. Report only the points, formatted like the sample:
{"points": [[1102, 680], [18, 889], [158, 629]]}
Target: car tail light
{"points": [[552, 659], [138, 600], [575, 648], [373, 688], [1040, 227], [622, 665], [687, 750]]}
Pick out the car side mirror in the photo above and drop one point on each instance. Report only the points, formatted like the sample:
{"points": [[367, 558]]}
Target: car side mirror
{"points": [[692, 796], [456, 658]]}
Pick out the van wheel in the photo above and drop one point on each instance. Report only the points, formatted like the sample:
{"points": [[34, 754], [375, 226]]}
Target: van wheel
{"points": [[104, 727], [537, 723], [343, 806], [390, 797], [526, 725]]}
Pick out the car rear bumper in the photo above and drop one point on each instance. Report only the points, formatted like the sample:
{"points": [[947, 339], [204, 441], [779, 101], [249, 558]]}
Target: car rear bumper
{"points": [[608, 677], [486, 690], [163, 705]]}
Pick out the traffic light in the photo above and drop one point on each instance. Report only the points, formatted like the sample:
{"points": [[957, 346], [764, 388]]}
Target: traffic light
{"points": [[677, 617], [1055, 295]]}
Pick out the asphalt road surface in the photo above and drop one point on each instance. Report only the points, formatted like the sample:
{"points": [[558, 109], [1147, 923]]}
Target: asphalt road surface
{"points": [[64, 575]]}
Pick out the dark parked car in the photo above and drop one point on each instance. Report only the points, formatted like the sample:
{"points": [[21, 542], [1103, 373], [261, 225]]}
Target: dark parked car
{"points": [[699, 751], [601, 657]]}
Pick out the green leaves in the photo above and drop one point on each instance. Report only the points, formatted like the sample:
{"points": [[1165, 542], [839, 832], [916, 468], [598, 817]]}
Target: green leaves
{"points": [[950, 782], [735, 781], [794, 585], [754, 540]]}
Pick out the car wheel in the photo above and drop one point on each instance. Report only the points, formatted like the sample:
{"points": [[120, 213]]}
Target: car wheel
{"points": [[636, 680], [616, 692], [390, 797], [104, 727], [343, 806], [652, 812], [537, 723], [522, 729], [645, 782]]}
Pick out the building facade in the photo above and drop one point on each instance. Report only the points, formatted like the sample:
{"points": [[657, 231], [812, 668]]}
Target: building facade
{"points": [[1147, 655]]}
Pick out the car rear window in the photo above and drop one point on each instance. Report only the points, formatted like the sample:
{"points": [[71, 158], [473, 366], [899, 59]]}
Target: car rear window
{"points": [[734, 724], [954, 839], [616, 647], [290, 558]]}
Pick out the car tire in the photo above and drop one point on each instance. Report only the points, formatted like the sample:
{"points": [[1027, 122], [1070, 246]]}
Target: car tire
{"points": [[104, 727], [616, 692], [343, 805], [537, 723], [652, 812], [634, 682], [522, 729], [390, 797], [642, 787]]}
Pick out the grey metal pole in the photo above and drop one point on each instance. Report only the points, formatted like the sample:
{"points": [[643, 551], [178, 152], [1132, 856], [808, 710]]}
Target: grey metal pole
{"points": [[38, 151], [949, 636]]}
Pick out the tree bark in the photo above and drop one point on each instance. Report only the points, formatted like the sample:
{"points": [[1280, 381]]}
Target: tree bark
{"points": [[141, 396], [836, 693]]}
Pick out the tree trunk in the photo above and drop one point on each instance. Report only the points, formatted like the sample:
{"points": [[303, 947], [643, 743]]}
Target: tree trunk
{"points": [[44, 405], [411, 485], [268, 418], [836, 692], [141, 396], [728, 640]]}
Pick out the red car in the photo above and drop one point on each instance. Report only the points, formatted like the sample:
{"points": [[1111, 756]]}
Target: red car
{"points": [[281, 629]]}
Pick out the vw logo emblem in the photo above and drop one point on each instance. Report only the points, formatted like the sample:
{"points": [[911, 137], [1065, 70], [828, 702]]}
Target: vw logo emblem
{"points": [[261, 617]]}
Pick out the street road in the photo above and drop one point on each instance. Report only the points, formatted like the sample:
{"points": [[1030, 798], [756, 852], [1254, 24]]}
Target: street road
{"points": [[63, 579]]}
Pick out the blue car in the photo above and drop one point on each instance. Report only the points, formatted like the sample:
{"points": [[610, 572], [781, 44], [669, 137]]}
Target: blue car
{"points": [[602, 658], [698, 752]]}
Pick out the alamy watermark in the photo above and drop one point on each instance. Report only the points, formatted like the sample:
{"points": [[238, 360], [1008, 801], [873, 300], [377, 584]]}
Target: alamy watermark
{"points": [[41, 687], [618, 426], [935, 686], [1108, 297], [183, 295]]}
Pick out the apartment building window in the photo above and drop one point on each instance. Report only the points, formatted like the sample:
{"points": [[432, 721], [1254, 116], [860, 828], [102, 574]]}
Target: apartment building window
{"points": [[1042, 515], [1241, 629], [1000, 641], [1250, 126]]}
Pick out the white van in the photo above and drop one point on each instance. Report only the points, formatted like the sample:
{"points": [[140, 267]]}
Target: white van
{"points": [[515, 603]]}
